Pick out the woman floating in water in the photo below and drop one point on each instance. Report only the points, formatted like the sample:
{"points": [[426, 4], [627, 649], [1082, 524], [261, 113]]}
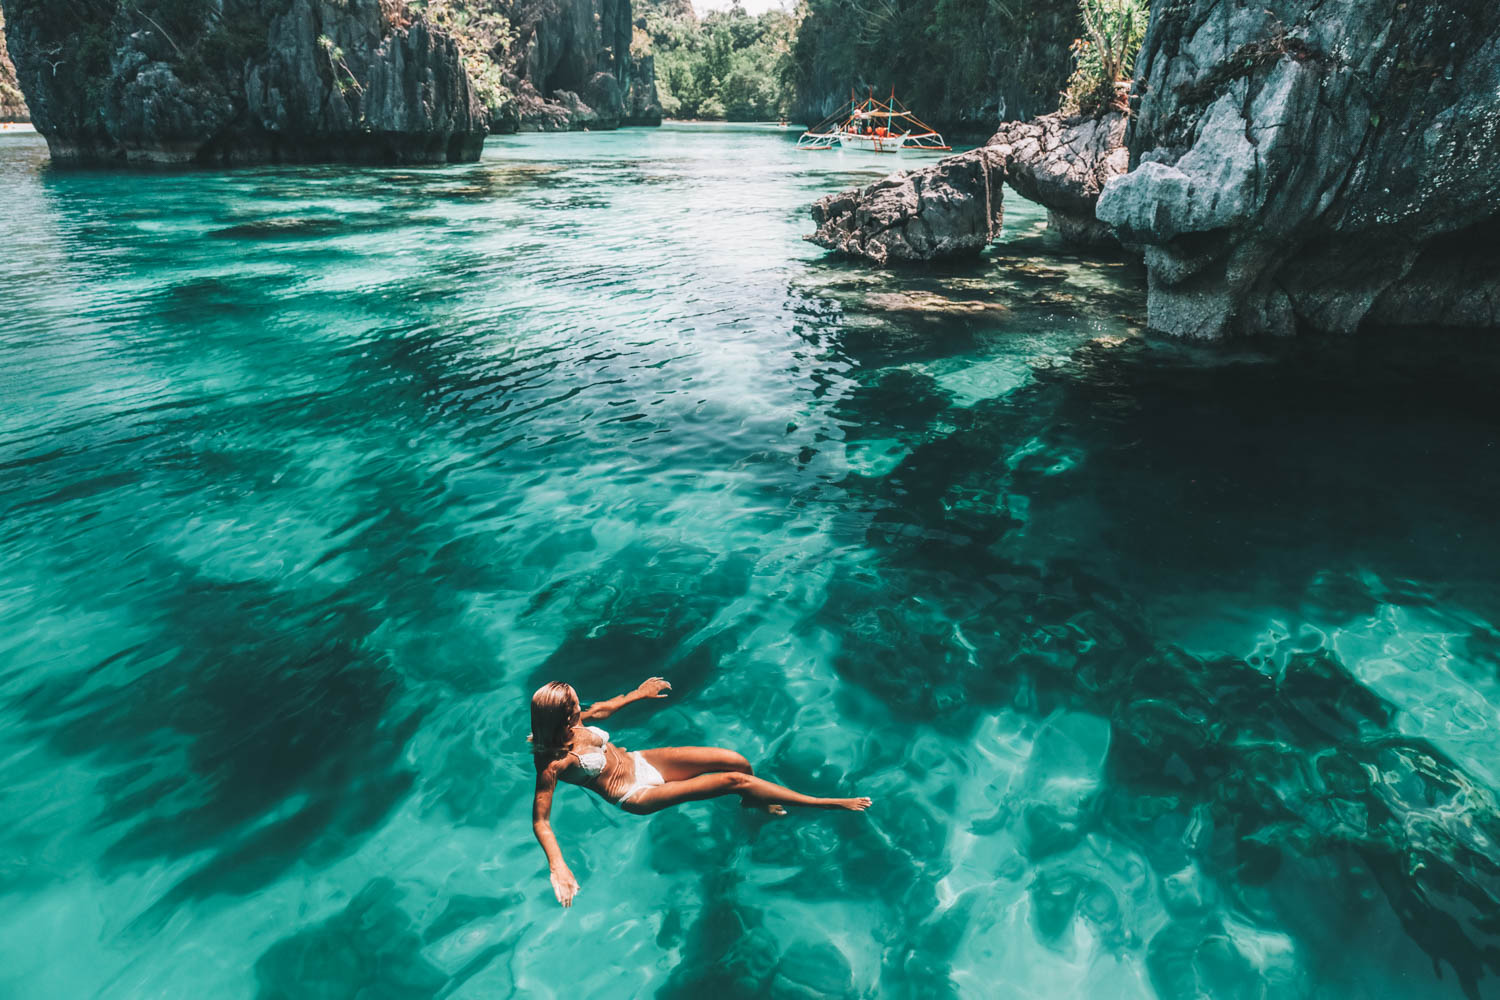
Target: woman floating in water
{"points": [[640, 782]]}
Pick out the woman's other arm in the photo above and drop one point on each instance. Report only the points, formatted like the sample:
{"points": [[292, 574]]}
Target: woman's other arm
{"points": [[563, 882], [653, 687]]}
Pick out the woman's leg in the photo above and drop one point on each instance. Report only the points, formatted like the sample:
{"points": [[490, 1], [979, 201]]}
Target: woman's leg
{"points": [[681, 763], [747, 786]]}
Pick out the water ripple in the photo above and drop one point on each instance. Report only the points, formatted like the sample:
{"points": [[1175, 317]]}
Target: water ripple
{"points": [[1172, 671]]}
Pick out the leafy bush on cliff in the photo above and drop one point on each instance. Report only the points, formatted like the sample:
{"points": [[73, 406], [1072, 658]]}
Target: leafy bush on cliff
{"points": [[12, 103], [727, 66], [1105, 57], [484, 33]]}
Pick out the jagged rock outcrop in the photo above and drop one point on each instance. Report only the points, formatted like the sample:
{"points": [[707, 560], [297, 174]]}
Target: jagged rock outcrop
{"points": [[573, 67], [12, 104], [261, 80], [951, 208], [1063, 163], [1316, 164], [956, 205]]}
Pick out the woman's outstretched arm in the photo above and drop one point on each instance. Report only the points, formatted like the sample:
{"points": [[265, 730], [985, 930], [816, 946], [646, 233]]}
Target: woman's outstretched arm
{"points": [[653, 687], [563, 882]]}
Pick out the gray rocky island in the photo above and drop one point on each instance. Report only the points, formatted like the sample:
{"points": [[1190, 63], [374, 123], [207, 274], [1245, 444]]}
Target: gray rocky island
{"points": [[1316, 165], [1297, 165]]}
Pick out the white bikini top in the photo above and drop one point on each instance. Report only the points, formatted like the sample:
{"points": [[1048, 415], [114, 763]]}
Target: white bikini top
{"points": [[590, 763]]}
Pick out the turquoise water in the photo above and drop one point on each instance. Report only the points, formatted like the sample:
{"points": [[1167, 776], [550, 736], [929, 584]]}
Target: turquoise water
{"points": [[1172, 671]]}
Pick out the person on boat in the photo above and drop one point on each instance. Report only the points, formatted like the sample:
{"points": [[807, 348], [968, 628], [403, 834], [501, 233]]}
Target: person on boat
{"points": [[640, 782]]}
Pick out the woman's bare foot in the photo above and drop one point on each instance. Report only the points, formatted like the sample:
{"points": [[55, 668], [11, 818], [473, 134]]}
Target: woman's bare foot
{"points": [[859, 804]]}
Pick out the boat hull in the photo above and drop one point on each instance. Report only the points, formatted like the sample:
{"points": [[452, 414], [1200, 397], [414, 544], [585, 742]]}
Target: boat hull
{"points": [[872, 143]]}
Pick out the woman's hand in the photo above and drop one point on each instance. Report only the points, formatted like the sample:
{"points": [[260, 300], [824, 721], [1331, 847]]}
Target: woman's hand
{"points": [[564, 885], [654, 687]]}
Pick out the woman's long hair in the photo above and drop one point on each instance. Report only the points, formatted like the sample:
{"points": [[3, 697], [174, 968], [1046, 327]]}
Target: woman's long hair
{"points": [[554, 708]]}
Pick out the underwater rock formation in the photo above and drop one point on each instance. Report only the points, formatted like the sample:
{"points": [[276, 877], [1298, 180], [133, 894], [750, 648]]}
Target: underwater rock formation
{"points": [[1302, 164], [953, 207], [1063, 163], [261, 80], [573, 67]]}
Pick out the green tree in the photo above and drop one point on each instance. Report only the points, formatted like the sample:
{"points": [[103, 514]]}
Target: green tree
{"points": [[1104, 58], [727, 65]]}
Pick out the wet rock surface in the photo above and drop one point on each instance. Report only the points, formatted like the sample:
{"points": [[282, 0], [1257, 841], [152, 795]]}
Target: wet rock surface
{"points": [[1063, 163], [952, 208], [1305, 165], [265, 80], [955, 206]]}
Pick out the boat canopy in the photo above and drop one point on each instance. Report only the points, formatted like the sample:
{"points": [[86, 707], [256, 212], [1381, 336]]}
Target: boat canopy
{"points": [[888, 120]]}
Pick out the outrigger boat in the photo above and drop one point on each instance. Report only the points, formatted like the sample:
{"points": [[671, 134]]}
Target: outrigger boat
{"points": [[875, 126]]}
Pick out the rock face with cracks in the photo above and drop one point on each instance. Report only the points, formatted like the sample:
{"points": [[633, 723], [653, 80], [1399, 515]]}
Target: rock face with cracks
{"points": [[1317, 165], [572, 67], [956, 205], [951, 208], [1063, 164], [243, 81]]}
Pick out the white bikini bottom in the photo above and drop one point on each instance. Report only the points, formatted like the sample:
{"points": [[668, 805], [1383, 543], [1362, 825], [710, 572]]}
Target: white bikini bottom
{"points": [[646, 777]]}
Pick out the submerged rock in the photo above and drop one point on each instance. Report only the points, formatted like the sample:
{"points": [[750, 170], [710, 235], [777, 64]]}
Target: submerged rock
{"points": [[1301, 165], [263, 80], [370, 948], [930, 303], [951, 208]]}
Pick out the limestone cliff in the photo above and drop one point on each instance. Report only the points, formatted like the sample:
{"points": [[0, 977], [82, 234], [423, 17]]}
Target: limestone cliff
{"points": [[964, 67], [12, 104], [234, 81], [1316, 164], [571, 66]]}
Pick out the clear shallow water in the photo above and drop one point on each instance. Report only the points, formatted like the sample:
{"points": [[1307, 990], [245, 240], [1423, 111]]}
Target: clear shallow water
{"points": [[1173, 672]]}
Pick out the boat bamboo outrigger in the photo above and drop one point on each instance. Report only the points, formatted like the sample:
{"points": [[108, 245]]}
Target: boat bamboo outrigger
{"points": [[874, 125]]}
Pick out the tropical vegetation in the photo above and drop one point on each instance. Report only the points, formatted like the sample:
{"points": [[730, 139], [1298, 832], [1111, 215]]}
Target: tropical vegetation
{"points": [[1104, 58], [484, 33], [727, 65]]}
